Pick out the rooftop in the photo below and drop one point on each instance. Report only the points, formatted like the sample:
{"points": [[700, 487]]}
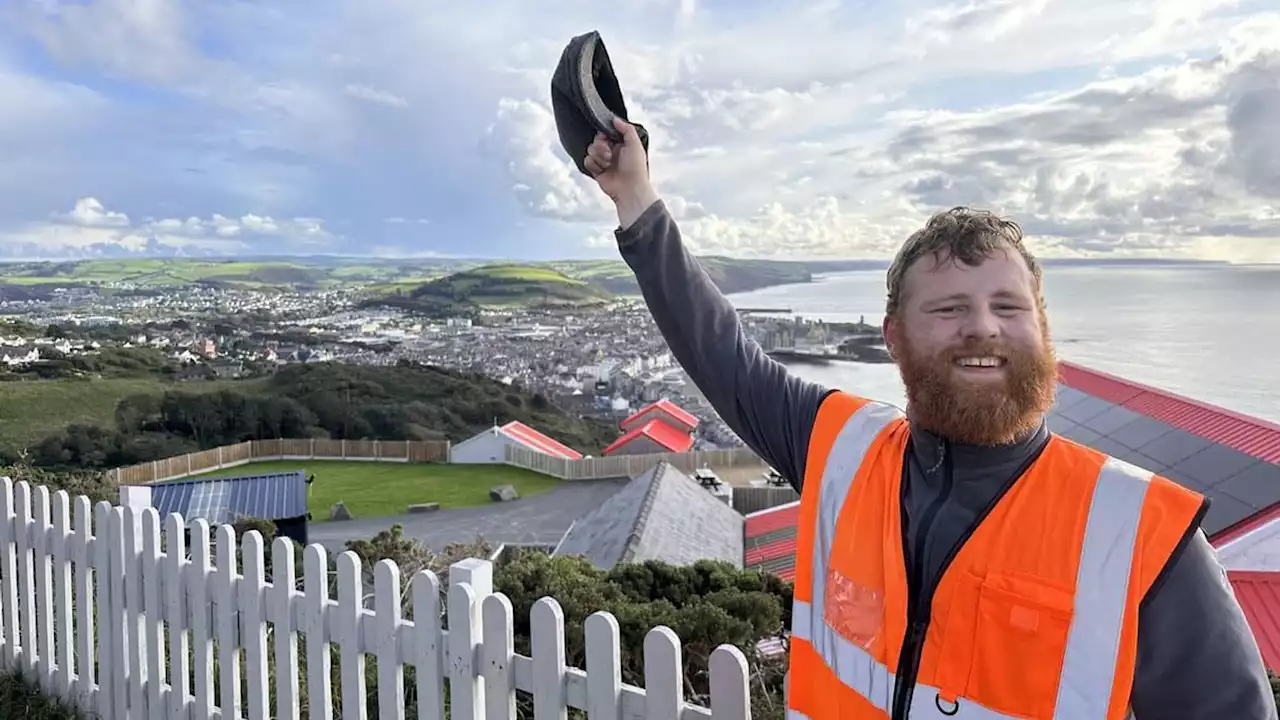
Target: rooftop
{"points": [[1231, 458], [273, 496], [662, 514]]}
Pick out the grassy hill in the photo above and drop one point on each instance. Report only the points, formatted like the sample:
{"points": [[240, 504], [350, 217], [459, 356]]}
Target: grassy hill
{"points": [[379, 275], [492, 286], [33, 409]]}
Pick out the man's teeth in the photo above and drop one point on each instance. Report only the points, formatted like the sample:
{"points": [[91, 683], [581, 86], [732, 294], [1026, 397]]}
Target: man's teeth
{"points": [[985, 362]]}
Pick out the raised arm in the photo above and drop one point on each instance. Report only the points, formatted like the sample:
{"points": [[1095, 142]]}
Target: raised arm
{"points": [[770, 409]]}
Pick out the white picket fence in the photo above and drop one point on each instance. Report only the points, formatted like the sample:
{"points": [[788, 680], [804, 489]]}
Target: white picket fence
{"points": [[104, 614]]}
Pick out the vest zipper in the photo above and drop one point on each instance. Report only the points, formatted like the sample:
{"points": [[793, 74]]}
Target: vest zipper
{"points": [[920, 596]]}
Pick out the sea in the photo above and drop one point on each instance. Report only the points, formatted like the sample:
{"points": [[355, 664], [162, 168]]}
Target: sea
{"points": [[1208, 332]]}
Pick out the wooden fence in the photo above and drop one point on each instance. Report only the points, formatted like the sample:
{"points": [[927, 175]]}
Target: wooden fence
{"points": [[286, 449], [754, 499], [597, 468], [119, 618]]}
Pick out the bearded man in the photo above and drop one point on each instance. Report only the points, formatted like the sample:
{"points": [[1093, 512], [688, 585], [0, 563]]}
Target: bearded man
{"points": [[958, 559]]}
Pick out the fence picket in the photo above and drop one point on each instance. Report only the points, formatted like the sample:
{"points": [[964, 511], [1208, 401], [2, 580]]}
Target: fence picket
{"points": [[85, 602], [200, 601], [104, 622], [604, 655], [350, 612], [498, 647], [386, 598], [253, 628], [44, 585], [175, 615], [117, 618], [429, 646], [546, 630], [315, 570], [124, 625], [9, 570], [153, 637], [26, 581], [663, 674], [285, 635], [60, 551], [225, 621]]}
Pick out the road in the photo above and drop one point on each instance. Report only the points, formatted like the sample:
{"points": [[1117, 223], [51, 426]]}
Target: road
{"points": [[538, 520]]}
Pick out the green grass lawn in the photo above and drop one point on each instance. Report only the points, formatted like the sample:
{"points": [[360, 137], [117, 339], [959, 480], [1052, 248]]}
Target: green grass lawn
{"points": [[379, 489], [32, 409]]}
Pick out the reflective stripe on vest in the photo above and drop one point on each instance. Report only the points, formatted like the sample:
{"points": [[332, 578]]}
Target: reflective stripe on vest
{"points": [[1089, 662]]}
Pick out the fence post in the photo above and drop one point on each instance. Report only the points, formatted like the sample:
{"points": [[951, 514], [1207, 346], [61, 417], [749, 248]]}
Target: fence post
{"points": [[470, 582], [220, 455]]}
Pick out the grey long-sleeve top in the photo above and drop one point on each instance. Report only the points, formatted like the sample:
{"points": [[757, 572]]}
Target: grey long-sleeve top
{"points": [[1197, 658]]}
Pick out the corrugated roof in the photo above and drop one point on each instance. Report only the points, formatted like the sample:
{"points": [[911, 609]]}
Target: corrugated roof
{"points": [[540, 442], [677, 413], [673, 439], [662, 514], [1232, 459], [1259, 597], [224, 500]]}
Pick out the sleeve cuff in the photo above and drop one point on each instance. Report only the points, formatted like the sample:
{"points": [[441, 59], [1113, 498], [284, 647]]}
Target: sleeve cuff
{"points": [[643, 224]]}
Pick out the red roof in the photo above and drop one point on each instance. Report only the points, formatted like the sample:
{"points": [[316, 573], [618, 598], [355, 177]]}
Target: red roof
{"points": [[1259, 597], [1251, 436], [770, 534], [769, 540], [535, 440], [677, 413], [668, 437]]}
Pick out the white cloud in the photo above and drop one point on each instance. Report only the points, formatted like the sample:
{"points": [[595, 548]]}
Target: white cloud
{"points": [[91, 229], [1177, 157], [823, 128]]}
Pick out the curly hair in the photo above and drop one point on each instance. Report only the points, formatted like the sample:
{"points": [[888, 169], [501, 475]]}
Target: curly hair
{"points": [[969, 236]]}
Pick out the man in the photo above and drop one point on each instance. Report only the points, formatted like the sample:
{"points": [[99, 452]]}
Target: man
{"points": [[960, 561]]}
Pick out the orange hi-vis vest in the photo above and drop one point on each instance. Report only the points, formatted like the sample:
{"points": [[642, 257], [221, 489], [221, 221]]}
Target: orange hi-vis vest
{"points": [[1035, 616]]}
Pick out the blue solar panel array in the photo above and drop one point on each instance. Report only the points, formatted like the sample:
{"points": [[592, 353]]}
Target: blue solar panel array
{"points": [[224, 500]]}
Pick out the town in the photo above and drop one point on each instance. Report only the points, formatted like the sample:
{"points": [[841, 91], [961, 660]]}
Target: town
{"points": [[602, 361]]}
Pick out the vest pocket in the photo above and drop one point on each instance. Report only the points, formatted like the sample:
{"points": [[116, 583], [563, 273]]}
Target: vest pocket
{"points": [[1019, 644]]}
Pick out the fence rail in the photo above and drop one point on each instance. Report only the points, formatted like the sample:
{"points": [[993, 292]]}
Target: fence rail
{"points": [[598, 468], [754, 499], [121, 619], [283, 449]]}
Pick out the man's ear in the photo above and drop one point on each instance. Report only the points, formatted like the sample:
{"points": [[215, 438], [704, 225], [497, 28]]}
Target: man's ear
{"points": [[890, 330]]}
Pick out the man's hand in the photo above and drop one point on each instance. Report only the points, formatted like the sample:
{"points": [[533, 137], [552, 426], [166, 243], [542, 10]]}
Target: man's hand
{"points": [[622, 172]]}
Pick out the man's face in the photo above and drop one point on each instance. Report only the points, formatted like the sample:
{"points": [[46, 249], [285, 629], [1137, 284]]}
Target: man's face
{"points": [[972, 346]]}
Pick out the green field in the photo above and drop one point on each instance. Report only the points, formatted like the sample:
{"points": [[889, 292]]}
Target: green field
{"points": [[379, 489], [33, 409]]}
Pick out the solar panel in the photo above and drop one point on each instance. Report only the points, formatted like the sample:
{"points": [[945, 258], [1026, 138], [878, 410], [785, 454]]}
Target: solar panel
{"points": [[224, 500], [1215, 464]]}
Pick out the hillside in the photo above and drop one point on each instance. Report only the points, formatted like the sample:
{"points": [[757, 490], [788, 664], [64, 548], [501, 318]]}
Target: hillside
{"points": [[312, 400], [386, 276], [497, 286]]}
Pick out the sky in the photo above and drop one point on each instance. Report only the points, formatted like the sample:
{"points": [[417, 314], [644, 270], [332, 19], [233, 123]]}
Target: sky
{"points": [[806, 129]]}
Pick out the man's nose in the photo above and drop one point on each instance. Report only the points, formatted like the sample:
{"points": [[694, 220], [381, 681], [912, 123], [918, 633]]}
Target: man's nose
{"points": [[981, 323]]}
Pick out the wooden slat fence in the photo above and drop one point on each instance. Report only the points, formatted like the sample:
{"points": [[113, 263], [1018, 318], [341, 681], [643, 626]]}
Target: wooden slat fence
{"points": [[597, 468], [129, 617], [287, 449]]}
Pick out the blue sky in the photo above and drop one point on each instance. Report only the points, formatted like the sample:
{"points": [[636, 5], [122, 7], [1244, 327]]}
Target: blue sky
{"points": [[825, 128]]}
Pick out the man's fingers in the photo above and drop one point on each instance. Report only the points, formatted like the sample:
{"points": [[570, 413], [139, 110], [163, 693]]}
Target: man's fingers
{"points": [[627, 129], [592, 166]]}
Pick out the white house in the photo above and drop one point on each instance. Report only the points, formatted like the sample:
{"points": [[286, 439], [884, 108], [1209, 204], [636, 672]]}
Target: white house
{"points": [[487, 446]]}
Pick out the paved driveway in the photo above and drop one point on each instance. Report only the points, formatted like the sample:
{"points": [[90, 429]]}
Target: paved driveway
{"points": [[538, 520]]}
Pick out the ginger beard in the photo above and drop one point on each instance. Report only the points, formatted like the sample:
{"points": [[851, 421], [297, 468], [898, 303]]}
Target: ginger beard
{"points": [[980, 411]]}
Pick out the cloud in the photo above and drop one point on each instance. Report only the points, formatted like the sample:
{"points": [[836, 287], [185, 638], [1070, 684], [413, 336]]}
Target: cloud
{"points": [[1140, 128], [91, 230]]}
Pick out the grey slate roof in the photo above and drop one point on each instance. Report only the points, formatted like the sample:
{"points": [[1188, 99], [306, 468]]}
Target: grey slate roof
{"points": [[662, 514], [1237, 484]]}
